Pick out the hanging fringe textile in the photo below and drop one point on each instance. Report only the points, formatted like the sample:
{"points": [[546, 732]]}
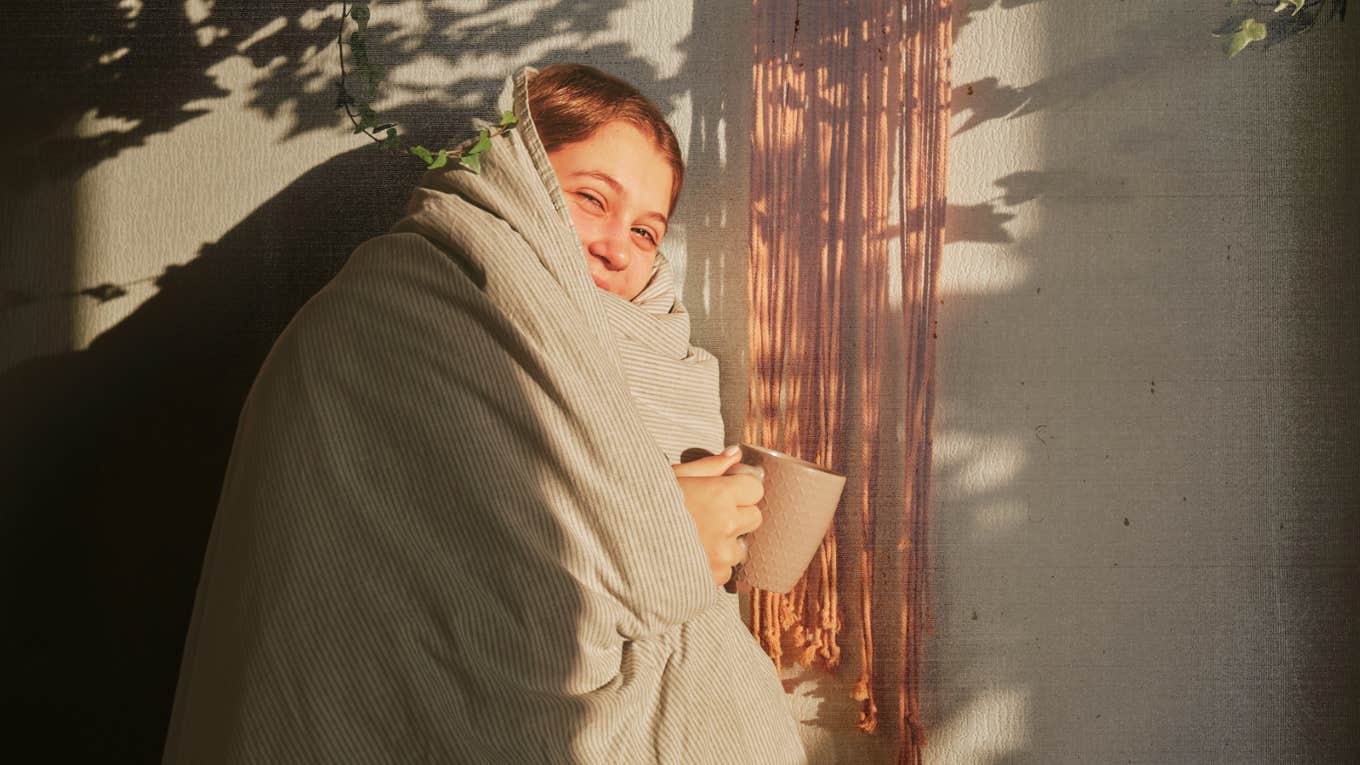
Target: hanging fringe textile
{"points": [[848, 164]]}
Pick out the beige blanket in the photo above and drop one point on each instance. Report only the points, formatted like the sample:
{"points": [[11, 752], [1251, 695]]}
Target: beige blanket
{"points": [[674, 385], [446, 533]]}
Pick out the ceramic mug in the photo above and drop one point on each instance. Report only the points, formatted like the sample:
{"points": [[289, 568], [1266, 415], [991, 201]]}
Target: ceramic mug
{"points": [[799, 504]]}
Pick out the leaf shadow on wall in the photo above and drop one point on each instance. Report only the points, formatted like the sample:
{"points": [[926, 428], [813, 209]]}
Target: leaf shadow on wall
{"points": [[113, 456]]}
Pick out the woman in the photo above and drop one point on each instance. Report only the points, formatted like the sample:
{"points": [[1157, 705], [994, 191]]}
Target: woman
{"points": [[447, 531], [618, 166]]}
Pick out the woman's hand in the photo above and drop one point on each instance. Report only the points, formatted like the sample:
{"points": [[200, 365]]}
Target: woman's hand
{"points": [[723, 508]]}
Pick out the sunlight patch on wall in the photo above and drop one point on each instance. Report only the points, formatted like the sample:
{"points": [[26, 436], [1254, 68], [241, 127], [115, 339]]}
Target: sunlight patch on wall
{"points": [[272, 28], [667, 24], [198, 11], [208, 35], [501, 15], [113, 55], [987, 728], [91, 125], [981, 270], [461, 6], [972, 464], [985, 230]]}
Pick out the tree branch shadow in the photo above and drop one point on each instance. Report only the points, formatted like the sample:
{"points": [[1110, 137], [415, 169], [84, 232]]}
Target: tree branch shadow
{"points": [[113, 456]]}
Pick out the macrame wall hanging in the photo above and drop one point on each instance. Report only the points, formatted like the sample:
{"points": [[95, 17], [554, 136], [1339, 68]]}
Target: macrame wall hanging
{"points": [[848, 163]]}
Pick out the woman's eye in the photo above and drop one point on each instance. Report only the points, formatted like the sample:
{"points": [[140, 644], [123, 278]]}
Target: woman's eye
{"points": [[591, 198], [647, 234]]}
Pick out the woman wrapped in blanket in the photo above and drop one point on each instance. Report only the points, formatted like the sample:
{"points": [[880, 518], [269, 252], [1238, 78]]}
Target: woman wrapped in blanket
{"points": [[453, 527]]}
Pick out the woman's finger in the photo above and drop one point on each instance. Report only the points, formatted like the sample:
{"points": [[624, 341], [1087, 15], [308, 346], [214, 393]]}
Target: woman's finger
{"points": [[745, 489], [734, 552], [713, 465], [745, 519]]}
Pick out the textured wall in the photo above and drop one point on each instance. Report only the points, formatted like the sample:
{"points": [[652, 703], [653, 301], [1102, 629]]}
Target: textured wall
{"points": [[1146, 504], [1147, 316]]}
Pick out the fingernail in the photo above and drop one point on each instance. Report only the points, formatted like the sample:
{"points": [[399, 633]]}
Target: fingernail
{"points": [[733, 449]]}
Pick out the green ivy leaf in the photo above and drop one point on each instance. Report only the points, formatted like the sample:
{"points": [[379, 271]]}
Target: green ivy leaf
{"points": [[392, 141], [367, 119], [473, 162], [1251, 31], [439, 161], [508, 119], [359, 13], [423, 153], [483, 143]]}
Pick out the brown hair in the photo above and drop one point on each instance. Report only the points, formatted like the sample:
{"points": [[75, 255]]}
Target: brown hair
{"points": [[569, 102]]}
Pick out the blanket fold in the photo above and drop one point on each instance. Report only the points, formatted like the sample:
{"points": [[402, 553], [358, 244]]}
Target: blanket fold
{"points": [[446, 533]]}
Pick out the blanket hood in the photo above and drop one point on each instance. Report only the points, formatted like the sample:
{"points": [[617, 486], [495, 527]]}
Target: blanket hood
{"points": [[674, 385]]}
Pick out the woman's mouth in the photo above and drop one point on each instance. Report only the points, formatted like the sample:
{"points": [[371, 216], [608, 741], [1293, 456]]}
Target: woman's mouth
{"points": [[599, 282]]}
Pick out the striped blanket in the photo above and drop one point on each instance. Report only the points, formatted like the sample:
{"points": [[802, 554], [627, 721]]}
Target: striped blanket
{"points": [[446, 533]]}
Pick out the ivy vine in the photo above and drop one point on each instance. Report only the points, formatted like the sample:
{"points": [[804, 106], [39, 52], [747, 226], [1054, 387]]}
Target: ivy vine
{"points": [[1286, 17], [358, 104]]}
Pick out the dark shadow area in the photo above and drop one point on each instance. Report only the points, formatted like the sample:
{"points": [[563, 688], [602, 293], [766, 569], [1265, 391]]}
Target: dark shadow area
{"points": [[112, 457], [143, 65], [977, 223], [1283, 25]]}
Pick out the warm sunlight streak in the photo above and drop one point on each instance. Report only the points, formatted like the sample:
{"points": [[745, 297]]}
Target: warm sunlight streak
{"points": [[313, 18], [987, 728], [208, 35], [91, 125], [271, 28], [975, 464], [112, 56], [981, 270], [198, 11]]}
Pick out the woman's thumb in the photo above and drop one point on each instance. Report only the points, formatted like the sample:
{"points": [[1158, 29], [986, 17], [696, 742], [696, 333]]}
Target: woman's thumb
{"points": [[712, 465]]}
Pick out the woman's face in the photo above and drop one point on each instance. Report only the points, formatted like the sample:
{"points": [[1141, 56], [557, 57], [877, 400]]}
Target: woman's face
{"points": [[618, 188]]}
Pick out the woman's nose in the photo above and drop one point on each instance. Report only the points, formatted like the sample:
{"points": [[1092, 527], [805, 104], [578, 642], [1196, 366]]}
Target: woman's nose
{"points": [[610, 247]]}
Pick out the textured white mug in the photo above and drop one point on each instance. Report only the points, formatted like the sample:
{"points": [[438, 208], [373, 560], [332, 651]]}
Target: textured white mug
{"points": [[799, 504]]}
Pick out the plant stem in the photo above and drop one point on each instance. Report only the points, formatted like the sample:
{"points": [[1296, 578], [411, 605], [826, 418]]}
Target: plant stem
{"points": [[344, 94]]}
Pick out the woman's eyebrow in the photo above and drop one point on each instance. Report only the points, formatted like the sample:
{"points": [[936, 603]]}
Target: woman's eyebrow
{"points": [[613, 183], [665, 224], [602, 176]]}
